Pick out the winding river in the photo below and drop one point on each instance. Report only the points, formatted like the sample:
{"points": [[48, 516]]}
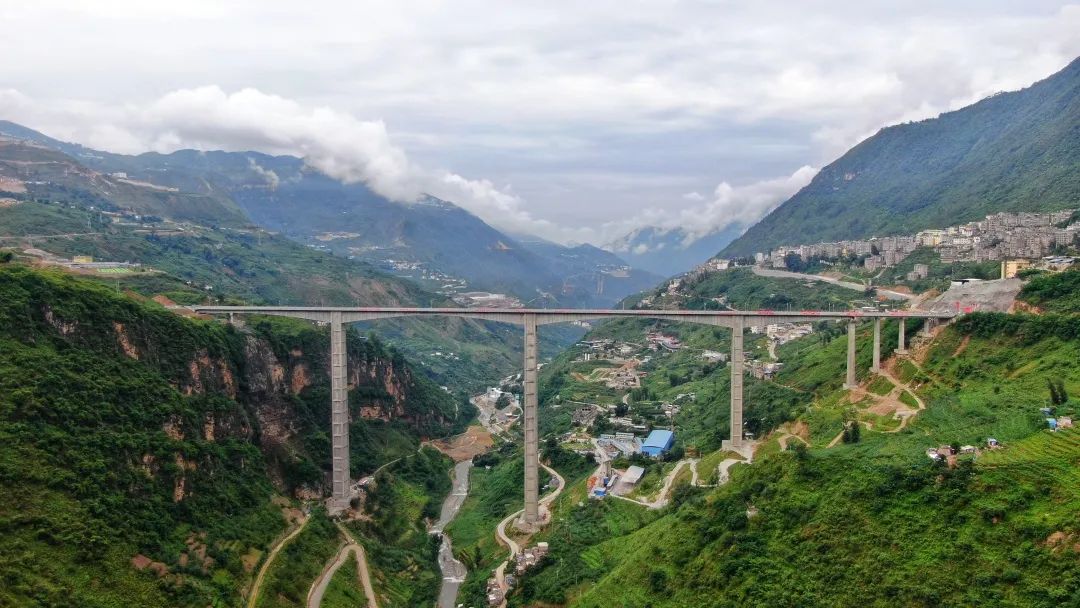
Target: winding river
{"points": [[453, 571]]}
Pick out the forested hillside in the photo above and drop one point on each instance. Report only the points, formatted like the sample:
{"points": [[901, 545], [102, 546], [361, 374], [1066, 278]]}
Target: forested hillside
{"points": [[1016, 151], [140, 450], [871, 520], [251, 266]]}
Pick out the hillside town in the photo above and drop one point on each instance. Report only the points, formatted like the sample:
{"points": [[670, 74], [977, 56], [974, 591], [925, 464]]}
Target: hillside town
{"points": [[998, 237]]}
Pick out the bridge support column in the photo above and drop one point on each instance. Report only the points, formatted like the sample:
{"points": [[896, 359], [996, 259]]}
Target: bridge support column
{"points": [[531, 515], [900, 348], [876, 367], [339, 416], [849, 382], [928, 327], [737, 359]]}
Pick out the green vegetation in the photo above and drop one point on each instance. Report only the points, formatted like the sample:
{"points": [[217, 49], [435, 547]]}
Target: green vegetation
{"points": [[345, 590], [744, 290], [880, 385], [872, 521], [939, 273], [223, 265], [111, 447], [400, 551], [1058, 292], [1010, 152], [299, 563]]}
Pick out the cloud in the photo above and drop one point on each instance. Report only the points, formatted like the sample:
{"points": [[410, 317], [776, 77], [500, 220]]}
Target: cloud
{"points": [[739, 206], [337, 144], [269, 175], [582, 107], [696, 197]]}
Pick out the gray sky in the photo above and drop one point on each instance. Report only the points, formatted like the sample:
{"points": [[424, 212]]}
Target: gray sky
{"points": [[574, 120]]}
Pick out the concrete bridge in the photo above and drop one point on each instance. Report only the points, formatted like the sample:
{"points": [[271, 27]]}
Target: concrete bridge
{"points": [[530, 319]]}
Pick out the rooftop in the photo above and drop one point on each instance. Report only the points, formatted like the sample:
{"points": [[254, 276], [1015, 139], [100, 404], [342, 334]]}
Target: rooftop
{"points": [[658, 439]]}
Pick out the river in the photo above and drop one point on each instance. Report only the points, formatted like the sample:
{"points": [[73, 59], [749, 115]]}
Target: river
{"points": [[453, 571]]}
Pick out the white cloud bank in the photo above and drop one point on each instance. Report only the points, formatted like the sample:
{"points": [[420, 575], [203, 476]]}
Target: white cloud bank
{"points": [[335, 143], [359, 151], [740, 206]]}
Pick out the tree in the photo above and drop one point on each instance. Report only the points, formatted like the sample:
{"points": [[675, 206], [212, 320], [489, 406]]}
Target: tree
{"points": [[503, 401], [1058, 395]]}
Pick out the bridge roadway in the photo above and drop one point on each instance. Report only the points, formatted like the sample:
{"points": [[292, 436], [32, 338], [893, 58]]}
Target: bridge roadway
{"points": [[530, 319]]}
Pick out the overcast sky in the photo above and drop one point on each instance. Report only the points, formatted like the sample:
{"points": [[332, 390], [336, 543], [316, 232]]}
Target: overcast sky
{"points": [[575, 120]]}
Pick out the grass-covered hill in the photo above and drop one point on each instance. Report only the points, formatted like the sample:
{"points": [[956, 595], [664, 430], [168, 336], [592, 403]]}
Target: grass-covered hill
{"points": [[670, 377], [252, 266], [127, 430], [1059, 292], [1014, 151], [874, 522]]}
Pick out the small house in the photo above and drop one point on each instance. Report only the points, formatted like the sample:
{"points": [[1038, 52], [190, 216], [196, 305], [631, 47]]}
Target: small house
{"points": [[1052, 423], [633, 475], [1064, 422], [992, 443]]}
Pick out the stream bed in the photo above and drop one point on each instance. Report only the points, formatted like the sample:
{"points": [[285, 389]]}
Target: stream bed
{"points": [[453, 571]]}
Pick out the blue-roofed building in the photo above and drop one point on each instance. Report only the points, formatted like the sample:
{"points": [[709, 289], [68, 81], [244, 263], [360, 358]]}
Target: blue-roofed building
{"points": [[658, 442]]}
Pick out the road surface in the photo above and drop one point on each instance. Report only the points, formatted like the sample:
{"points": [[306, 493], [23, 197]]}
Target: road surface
{"points": [[318, 588], [504, 538], [257, 585], [785, 274]]}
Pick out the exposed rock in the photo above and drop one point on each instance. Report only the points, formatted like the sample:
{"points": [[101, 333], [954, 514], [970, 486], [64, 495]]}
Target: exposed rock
{"points": [[66, 328], [125, 343]]}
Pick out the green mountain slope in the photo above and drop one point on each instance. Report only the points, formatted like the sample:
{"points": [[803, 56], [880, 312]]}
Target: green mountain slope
{"points": [[1017, 151], [874, 522], [283, 194], [253, 266], [128, 432]]}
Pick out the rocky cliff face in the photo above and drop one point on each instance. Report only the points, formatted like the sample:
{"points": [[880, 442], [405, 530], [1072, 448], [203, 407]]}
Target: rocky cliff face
{"points": [[267, 384]]}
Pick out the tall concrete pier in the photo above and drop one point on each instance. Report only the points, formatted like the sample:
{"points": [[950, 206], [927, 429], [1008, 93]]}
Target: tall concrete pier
{"points": [[339, 416], [530, 319], [531, 423], [849, 380], [876, 365], [737, 359]]}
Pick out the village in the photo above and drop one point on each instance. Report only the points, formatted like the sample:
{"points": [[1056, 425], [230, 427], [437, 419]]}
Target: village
{"points": [[1031, 237]]}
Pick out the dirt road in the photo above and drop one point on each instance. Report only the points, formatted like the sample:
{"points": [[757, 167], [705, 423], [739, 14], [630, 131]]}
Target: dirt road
{"points": [[318, 588], [257, 585], [784, 274]]}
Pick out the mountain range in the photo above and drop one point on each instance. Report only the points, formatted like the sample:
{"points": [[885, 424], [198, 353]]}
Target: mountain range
{"points": [[670, 251], [436, 239], [1015, 151]]}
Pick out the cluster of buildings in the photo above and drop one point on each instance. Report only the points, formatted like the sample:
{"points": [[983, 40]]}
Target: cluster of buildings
{"points": [[657, 443], [527, 559], [782, 333], [657, 340], [485, 299], [606, 348], [999, 236], [1055, 423], [764, 370], [530, 557]]}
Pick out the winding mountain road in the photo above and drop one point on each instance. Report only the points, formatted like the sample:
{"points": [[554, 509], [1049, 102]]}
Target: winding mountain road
{"points": [[786, 274], [256, 586], [504, 538], [319, 587]]}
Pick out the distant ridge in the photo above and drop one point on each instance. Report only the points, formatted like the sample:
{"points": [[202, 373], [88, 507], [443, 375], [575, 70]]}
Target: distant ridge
{"points": [[1017, 151]]}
